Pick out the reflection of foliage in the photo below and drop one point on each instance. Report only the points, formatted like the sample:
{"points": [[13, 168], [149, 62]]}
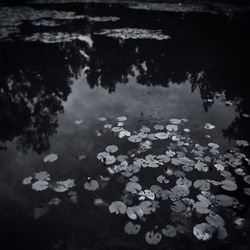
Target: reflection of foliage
{"points": [[39, 81], [32, 91]]}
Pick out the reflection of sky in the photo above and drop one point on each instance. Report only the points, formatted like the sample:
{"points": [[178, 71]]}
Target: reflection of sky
{"points": [[130, 100]]}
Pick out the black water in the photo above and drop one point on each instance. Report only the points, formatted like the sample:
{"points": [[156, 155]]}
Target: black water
{"points": [[201, 73]]}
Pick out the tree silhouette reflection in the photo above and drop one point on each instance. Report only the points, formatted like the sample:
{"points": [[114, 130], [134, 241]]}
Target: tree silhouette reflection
{"points": [[36, 78]]}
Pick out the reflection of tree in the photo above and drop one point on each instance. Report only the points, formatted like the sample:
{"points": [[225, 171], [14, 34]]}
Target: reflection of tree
{"points": [[214, 60], [35, 78], [34, 82]]}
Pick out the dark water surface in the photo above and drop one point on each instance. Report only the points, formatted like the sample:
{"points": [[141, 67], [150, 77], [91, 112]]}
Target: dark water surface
{"points": [[66, 71]]}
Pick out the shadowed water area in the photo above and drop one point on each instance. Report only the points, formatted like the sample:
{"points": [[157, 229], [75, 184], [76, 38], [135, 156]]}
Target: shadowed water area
{"points": [[123, 128]]}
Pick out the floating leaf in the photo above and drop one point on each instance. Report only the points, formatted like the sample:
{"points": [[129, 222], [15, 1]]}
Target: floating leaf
{"points": [[158, 127], [161, 135], [106, 158], [215, 220], [169, 231], [247, 179], [27, 180], [122, 118], [239, 221], [201, 207], [78, 122], [50, 158], [118, 207], [170, 153], [107, 126], [112, 149], [116, 129], [209, 126], [162, 179], [133, 187], [172, 128], [178, 207], [134, 212], [124, 133], [201, 166], [91, 185], [146, 194], [202, 185], [203, 231], [242, 143], [175, 121], [219, 167], [153, 238], [42, 176], [163, 158], [40, 185], [63, 186], [135, 138], [228, 185], [187, 130], [225, 200], [131, 228]]}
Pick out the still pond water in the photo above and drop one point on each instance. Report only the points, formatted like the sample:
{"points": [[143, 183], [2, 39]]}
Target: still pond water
{"points": [[123, 128]]}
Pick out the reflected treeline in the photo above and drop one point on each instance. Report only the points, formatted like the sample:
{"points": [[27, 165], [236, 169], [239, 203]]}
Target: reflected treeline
{"points": [[36, 78], [34, 81]]}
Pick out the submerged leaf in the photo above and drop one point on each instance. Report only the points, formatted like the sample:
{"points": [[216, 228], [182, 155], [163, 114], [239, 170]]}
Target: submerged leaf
{"points": [[131, 228]]}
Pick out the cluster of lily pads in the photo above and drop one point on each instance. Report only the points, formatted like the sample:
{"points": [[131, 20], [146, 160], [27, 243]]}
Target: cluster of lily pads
{"points": [[133, 33], [166, 175], [189, 182], [12, 18]]}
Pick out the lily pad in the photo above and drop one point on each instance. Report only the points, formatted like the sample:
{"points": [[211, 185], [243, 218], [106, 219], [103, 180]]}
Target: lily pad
{"points": [[122, 118], [40, 185], [242, 143], [91, 185], [27, 180], [209, 126], [153, 238], [228, 185], [161, 135], [63, 186], [175, 121], [50, 158], [172, 128], [215, 220], [112, 149], [118, 207], [42, 176], [124, 133], [203, 231]]}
